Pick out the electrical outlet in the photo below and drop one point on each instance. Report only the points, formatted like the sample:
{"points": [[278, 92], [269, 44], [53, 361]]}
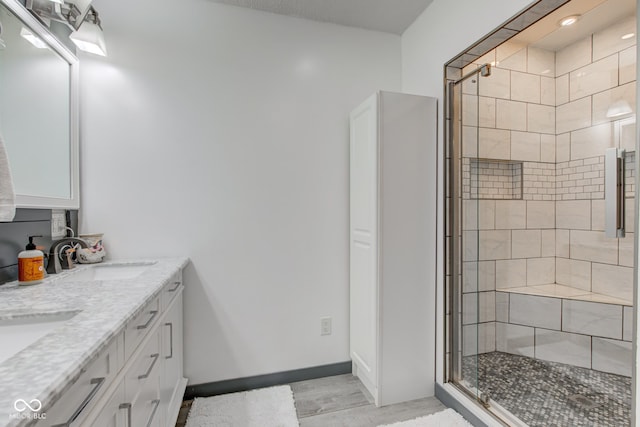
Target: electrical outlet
{"points": [[58, 224], [325, 326]]}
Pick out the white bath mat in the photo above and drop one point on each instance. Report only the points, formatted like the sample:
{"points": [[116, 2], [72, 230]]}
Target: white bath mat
{"points": [[266, 407], [446, 418]]}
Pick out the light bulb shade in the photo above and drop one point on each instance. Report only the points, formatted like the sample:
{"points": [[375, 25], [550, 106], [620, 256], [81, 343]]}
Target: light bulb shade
{"points": [[89, 38], [618, 109], [32, 38]]}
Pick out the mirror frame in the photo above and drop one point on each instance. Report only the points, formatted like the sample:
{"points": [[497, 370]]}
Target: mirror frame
{"points": [[43, 202]]}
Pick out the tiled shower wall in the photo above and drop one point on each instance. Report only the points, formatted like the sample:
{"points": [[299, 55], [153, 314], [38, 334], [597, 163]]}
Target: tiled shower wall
{"points": [[548, 111]]}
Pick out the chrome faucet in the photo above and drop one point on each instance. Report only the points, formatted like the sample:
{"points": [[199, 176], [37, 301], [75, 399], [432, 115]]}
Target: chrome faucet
{"points": [[56, 254]]}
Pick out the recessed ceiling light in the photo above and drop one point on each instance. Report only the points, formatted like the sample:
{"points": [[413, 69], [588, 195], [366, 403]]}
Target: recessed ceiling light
{"points": [[628, 36], [569, 20]]}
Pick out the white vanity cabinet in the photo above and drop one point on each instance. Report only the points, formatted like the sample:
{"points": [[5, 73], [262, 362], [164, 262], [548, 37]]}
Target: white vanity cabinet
{"points": [[392, 235], [138, 380]]}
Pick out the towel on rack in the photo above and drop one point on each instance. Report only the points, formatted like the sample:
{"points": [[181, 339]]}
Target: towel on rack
{"points": [[7, 195]]}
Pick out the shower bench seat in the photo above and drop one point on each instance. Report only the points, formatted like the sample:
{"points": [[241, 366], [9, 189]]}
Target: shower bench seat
{"points": [[567, 325]]}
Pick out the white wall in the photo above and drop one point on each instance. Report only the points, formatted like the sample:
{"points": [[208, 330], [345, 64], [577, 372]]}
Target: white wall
{"points": [[437, 36], [221, 133]]}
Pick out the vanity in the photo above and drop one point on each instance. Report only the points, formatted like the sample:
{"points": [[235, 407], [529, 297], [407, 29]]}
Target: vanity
{"points": [[100, 345]]}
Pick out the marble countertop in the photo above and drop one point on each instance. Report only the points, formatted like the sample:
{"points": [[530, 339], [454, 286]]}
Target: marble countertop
{"points": [[47, 367]]}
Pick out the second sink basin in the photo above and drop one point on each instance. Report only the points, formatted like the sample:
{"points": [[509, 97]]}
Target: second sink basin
{"points": [[107, 272], [19, 333]]}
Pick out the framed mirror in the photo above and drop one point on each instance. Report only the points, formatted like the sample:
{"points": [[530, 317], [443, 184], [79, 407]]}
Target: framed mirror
{"points": [[38, 111]]}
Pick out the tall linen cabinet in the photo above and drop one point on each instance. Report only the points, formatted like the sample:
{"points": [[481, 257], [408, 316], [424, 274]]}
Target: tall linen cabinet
{"points": [[392, 235]]}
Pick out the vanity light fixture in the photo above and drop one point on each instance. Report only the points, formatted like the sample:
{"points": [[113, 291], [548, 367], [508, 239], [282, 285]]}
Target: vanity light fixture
{"points": [[618, 109], [569, 20], [89, 36], [627, 36], [2, 43], [57, 1], [32, 38]]}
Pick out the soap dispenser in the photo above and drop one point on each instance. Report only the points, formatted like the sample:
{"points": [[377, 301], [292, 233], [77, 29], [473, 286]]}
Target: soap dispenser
{"points": [[30, 265]]}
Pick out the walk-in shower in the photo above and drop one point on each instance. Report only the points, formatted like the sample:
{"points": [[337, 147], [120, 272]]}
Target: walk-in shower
{"points": [[540, 215]]}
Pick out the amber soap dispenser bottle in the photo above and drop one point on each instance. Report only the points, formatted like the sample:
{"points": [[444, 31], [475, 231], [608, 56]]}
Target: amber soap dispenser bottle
{"points": [[30, 265]]}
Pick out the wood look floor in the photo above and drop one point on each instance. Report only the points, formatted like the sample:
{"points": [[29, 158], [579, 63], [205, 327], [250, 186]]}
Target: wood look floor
{"points": [[342, 401]]}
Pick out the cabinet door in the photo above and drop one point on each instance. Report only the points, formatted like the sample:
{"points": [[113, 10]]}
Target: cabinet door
{"points": [[171, 391], [142, 385], [363, 241], [114, 414]]}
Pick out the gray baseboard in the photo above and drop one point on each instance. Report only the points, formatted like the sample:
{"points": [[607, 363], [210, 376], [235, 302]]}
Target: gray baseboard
{"points": [[451, 402], [268, 380]]}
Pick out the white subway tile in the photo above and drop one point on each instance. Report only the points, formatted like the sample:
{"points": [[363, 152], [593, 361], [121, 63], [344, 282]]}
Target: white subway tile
{"points": [[574, 115], [510, 48], [470, 308], [628, 134], [525, 146], [511, 115], [515, 339], [469, 141], [541, 62], [530, 310], [548, 238], [613, 280], [597, 215], [625, 246], [470, 245], [548, 148], [478, 276], [592, 141], [562, 89], [593, 246], [563, 347], [603, 100], [540, 214], [596, 77], [494, 144], [572, 272], [525, 87], [478, 214], [629, 215], [502, 306], [511, 214], [563, 147], [478, 338], [541, 271], [487, 112], [497, 85], [562, 243], [627, 65], [469, 110], [592, 318], [573, 57], [525, 243], [516, 61], [609, 40], [612, 356], [627, 325], [548, 91], [494, 244], [573, 214], [511, 273], [541, 118]]}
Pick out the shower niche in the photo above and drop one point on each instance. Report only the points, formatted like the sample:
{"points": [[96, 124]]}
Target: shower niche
{"points": [[539, 300]]}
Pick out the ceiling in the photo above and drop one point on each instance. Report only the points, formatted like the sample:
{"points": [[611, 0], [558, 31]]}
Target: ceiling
{"points": [[390, 16]]}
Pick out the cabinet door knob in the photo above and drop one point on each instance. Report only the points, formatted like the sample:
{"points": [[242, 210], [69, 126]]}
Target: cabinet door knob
{"points": [[146, 325], [170, 325], [146, 374], [97, 383]]}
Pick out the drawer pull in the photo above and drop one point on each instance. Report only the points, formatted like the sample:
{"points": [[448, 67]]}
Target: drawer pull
{"points": [[97, 383], [127, 406], [176, 287], [170, 325], [146, 374], [146, 325], [156, 403]]}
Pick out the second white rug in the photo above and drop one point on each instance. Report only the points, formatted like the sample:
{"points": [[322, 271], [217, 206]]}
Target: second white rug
{"points": [[448, 418], [266, 407]]}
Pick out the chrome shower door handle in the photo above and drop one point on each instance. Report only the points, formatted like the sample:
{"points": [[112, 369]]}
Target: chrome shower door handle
{"points": [[614, 192]]}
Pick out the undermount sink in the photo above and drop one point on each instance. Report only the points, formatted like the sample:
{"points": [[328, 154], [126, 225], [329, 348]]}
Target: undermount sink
{"points": [[107, 272], [19, 333]]}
